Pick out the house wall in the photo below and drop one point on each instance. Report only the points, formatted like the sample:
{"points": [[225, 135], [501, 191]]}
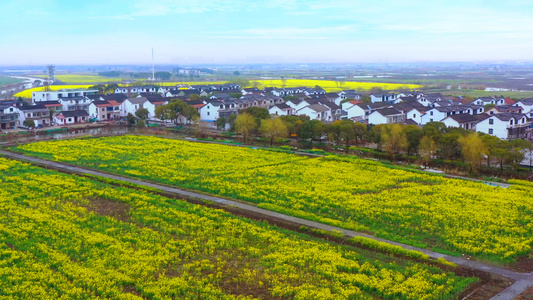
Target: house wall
{"points": [[436, 117], [376, 118], [209, 112], [499, 127]]}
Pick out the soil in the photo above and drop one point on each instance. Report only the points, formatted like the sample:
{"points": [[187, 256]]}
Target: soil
{"points": [[527, 295], [106, 207]]}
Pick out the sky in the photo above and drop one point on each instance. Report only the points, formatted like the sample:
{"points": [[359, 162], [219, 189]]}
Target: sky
{"points": [[111, 32]]}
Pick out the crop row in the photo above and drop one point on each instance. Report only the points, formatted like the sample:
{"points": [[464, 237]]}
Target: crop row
{"points": [[67, 237], [448, 215]]}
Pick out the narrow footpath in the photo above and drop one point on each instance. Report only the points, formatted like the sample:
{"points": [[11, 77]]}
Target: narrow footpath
{"points": [[523, 281]]}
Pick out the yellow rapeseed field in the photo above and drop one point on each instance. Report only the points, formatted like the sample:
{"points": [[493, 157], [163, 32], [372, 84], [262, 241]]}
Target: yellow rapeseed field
{"points": [[28, 93], [68, 237], [420, 209]]}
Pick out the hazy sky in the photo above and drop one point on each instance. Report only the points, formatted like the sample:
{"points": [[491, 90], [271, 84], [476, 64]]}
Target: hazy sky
{"points": [[258, 31]]}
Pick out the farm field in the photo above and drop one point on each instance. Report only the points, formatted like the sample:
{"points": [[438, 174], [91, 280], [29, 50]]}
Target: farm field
{"points": [[68, 237], [28, 93], [446, 215], [333, 86], [479, 93], [8, 80], [328, 85]]}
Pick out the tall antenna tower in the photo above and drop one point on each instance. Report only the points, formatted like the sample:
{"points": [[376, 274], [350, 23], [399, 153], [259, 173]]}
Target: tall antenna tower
{"points": [[153, 68]]}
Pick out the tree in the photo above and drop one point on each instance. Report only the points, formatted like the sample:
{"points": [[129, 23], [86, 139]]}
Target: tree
{"points": [[221, 123], [245, 124], [375, 135], [365, 99], [142, 113], [283, 81], [236, 73], [347, 131], [413, 134], [334, 131], [29, 123], [131, 119], [360, 131], [517, 151], [141, 124], [241, 81], [273, 128], [231, 121], [472, 149], [163, 113], [235, 95], [163, 75], [427, 149], [346, 100], [488, 106], [259, 113], [194, 97], [449, 145], [394, 139], [434, 130], [491, 144]]}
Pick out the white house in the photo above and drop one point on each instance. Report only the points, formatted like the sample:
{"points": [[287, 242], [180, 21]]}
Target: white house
{"points": [[527, 105], [210, 111], [386, 116], [316, 112], [482, 101], [465, 121], [151, 105], [131, 105], [386, 97], [105, 110], [281, 109], [40, 114], [71, 117], [56, 95], [504, 125]]}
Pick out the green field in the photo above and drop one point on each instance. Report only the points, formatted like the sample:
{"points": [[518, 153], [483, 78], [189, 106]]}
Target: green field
{"points": [[8, 80], [67, 237], [479, 93], [425, 210]]}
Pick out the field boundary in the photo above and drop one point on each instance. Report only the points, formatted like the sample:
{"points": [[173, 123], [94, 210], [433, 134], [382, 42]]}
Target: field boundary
{"points": [[522, 281]]}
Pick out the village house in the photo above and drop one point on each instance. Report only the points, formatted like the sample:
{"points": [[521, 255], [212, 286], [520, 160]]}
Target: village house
{"points": [[9, 114], [465, 121], [71, 117], [281, 109], [61, 94], [504, 125], [386, 116], [131, 105], [105, 110], [482, 101], [316, 112], [40, 114]]}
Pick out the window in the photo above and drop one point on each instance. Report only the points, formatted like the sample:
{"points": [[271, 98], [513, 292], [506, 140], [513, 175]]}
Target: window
{"points": [[491, 131], [431, 120], [491, 121], [431, 113], [511, 122], [208, 113], [414, 115]]}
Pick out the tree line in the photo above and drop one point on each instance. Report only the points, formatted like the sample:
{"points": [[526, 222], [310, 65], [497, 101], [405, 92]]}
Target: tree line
{"points": [[429, 143]]}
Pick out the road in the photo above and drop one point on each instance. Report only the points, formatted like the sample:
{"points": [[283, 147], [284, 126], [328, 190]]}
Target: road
{"points": [[523, 281]]}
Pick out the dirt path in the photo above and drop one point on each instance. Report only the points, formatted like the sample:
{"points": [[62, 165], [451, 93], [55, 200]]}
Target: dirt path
{"points": [[523, 281]]}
